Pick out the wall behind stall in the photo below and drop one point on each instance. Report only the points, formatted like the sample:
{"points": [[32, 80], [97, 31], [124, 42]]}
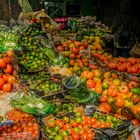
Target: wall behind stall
{"points": [[111, 8], [6, 13]]}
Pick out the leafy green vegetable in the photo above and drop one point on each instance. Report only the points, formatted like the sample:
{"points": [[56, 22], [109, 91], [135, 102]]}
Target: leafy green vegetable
{"points": [[32, 105], [83, 95]]}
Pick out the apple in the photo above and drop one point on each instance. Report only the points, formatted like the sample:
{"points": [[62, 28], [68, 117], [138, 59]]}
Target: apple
{"points": [[135, 98]]}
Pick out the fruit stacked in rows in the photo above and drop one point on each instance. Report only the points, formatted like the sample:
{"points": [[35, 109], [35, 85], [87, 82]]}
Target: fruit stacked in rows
{"points": [[79, 127], [7, 71], [62, 108], [33, 61], [41, 82], [24, 126]]}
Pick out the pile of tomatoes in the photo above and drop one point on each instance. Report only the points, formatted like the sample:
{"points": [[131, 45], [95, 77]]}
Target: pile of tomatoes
{"points": [[7, 71], [78, 127], [24, 126], [130, 65]]}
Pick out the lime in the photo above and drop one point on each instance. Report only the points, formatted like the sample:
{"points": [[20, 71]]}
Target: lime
{"points": [[58, 137], [85, 68], [105, 85], [78, 120], [83, 81], [79, 72], [63, 133], [56, 128]]}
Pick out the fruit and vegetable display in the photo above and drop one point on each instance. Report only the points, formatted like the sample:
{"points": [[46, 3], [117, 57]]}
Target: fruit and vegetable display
{"points": [[65, 89]]}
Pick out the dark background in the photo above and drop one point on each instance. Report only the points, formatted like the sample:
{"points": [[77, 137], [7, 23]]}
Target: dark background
{"points": [[105, 10]]}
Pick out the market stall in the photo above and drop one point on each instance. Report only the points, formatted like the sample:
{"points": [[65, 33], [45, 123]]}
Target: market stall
{"points": [[64, 84]]}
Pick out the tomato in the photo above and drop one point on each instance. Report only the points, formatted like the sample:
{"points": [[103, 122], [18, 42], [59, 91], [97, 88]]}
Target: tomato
{"points": [[58, 121], [132, 69], [7, 60], [77, 43], [10, 53], [8, 69], [135, 122], [60, 48], [74, 124], [75, 50], [131, 60], [93, 120], [107, 124], [122, 59], [105, 107], [90, 83], [95, 54], [123, 89], [11, 79], [2, 63], [75, 136], [80, 63], [98, 124], [90, 75], [112, 65], [83, 136], [103, 98], [121, 68], [67, 138], [98, 87], [85, 61], [103, 58], [67, 126], [135, 98], [71, 62], [7, 87], [135, 109], [92, 66], [72, 56], [112, 91], [84, 74], [61, 124], [90, 136], [6, 77], [119, 102], [97, 73], [132, 84], [2, 81]]}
